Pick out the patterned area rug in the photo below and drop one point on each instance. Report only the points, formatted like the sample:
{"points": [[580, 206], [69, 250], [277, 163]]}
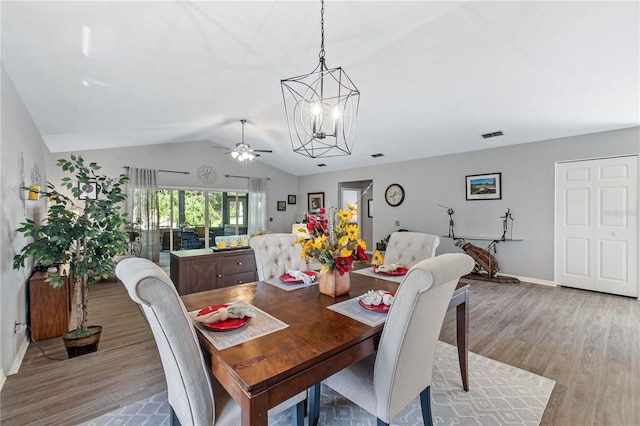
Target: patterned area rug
{"points": [[499, 394]]}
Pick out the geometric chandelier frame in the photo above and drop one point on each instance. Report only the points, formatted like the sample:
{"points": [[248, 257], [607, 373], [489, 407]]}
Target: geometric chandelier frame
{"points": [[322, 109]]}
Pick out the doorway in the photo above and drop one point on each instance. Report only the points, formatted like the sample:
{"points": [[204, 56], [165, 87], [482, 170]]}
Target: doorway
{"points": [[596, 223], [358, 193]]}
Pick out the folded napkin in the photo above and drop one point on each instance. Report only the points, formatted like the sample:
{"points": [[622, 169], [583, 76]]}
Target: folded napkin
{"points": [[238, 309], [376, 298], [388, 268], [301, 276]]}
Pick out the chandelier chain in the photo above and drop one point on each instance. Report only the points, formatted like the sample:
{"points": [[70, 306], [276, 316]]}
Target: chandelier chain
{"points": [[322, 31]]}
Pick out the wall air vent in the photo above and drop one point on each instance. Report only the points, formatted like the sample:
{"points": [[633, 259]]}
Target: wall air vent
{"points": [[377, 155], [492, 134]]}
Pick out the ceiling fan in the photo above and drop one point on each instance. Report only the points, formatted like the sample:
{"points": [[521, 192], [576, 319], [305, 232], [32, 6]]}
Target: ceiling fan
{"points": [[243, 151]]}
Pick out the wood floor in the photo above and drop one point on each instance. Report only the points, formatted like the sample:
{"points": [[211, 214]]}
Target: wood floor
{"points": [[588, 342], [125, 369]]}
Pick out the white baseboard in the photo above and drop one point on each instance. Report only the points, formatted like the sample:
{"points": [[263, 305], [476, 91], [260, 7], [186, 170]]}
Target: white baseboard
{"points": [[533, 280], [2, 378], [17, 362]]}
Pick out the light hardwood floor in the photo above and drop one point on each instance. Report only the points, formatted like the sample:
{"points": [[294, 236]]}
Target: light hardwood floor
{"points": [[588, 342]]}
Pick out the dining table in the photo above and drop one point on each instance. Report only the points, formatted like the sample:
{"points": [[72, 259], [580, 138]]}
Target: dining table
{"points": [[313, 343]]}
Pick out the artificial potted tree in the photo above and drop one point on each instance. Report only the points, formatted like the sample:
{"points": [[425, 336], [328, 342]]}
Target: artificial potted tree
{"points": [[85, 232]]}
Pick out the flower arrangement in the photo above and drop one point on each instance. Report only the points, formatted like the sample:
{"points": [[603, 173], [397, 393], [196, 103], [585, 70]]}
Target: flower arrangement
{"points": [[334, 241]]}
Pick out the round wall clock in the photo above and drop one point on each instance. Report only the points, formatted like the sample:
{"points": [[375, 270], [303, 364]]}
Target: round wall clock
{"points": [[394, 195]]}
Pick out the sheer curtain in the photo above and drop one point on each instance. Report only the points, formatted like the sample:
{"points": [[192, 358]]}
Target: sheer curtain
{"points": [[144, 210], [257, 205]]}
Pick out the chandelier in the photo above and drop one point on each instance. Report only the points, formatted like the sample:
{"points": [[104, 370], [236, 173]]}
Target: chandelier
{"points": [[321, 108]]}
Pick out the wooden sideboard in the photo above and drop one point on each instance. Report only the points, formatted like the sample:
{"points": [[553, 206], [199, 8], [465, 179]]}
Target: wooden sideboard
{"points": [[198, 270], [48, 307]]}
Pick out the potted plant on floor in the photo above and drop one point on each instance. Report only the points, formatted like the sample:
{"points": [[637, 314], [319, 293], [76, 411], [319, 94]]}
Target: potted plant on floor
{"points": [[133, 230], [85, 232]]}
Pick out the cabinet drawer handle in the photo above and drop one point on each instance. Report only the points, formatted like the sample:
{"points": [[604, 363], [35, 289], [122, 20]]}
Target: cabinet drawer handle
{"points": [[219, 275], [239, 263], [239, 281]]}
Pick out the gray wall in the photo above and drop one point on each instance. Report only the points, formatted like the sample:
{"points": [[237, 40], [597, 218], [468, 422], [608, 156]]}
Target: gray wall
{"points": [[527, 189], [187, 157], [21, 152]]}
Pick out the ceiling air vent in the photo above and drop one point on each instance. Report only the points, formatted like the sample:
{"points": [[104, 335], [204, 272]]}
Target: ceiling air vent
{"points": [[322, 165], [492, 134], [377, 155]]}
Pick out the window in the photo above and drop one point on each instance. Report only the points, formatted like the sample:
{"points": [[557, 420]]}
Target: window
{"points": [[185, 211]]}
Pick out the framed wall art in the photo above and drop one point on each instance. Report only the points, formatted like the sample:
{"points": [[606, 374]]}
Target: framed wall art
{"points": [[484, 187], [316, 201], [88, 191], [370, 208], [291, 199], [282, 206]]}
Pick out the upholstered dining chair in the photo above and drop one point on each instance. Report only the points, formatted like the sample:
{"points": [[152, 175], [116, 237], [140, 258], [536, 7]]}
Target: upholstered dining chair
{"points": [[276, 254], [387, 381], [409, 248], [195, 397]]}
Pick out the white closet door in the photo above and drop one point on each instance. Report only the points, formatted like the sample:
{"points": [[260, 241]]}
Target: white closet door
{"points": [[597, 225]]}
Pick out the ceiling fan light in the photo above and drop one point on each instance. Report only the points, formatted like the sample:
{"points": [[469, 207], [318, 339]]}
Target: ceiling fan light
{"points": [[234, 154]]}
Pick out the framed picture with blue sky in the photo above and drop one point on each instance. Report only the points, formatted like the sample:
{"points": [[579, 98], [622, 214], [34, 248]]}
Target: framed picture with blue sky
{"points": [[484, 187]]}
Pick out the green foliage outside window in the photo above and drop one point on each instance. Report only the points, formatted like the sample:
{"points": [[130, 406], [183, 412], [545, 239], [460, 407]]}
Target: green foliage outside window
{"points": [[194, 208]]}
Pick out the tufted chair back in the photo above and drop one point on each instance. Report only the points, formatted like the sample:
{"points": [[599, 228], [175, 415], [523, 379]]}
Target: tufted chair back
{"points": [[188, 385], [409, 248], [190, 390], [387, 381], [275, 254]]}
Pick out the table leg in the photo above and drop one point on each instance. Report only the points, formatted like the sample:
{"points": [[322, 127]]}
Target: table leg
{"points": [[254, 410], [462, 331], [314, 404]]}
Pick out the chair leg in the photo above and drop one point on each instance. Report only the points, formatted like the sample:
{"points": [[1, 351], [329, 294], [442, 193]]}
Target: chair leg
{"points": [[425, 402], [297, 414], [381, 423], [314, 404], [173, 419]]}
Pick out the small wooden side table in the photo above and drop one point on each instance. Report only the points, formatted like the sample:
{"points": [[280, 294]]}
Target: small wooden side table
{"points": [[48, 307]]}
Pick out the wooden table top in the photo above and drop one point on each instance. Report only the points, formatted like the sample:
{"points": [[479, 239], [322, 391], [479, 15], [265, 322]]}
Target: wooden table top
{"points": [[315, 333]]}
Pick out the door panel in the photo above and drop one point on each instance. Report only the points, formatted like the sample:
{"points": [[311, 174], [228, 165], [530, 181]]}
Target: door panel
{"points": [[613, 260], [577, 257], [577, 202], [597, 225], [613, 203]]}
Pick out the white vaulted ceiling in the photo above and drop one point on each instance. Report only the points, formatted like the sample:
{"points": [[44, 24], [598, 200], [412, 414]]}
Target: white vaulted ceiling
{"points": [[433, 76]]}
